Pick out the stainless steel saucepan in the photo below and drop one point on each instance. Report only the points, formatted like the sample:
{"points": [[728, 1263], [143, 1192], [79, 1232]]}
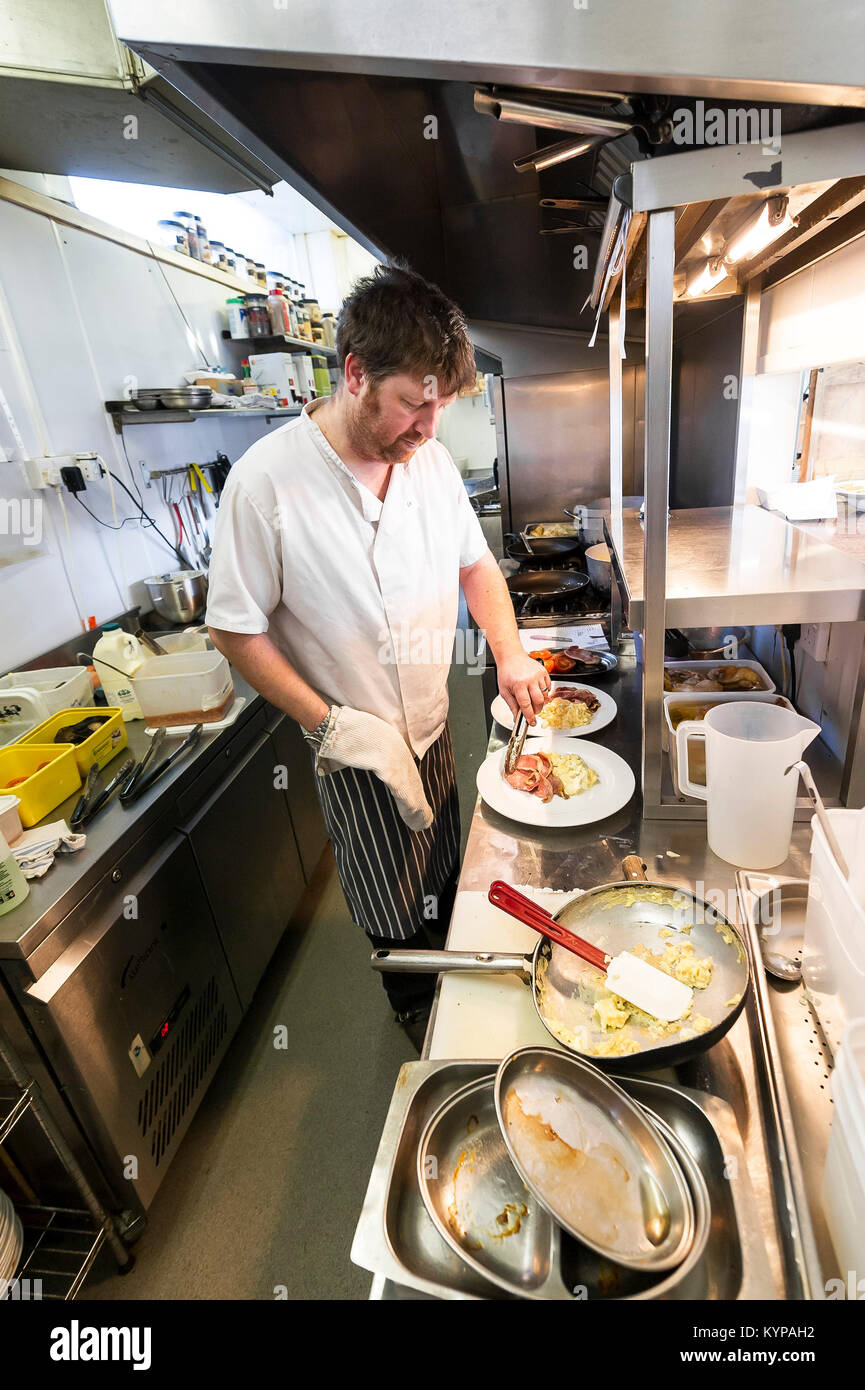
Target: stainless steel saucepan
{"points": [[616, 917]]}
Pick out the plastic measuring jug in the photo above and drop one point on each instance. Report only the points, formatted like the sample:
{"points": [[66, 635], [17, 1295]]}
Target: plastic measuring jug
{"points": [[750, 801]]}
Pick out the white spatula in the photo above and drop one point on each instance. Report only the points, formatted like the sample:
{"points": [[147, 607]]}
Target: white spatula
{"points": [[633, 979]]}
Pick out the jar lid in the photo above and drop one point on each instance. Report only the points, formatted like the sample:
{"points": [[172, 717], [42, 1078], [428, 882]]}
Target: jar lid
{"points": [[110, 627]]}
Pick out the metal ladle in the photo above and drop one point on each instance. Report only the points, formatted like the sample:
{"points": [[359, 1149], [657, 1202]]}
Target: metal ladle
{"points": [[816, 800]]}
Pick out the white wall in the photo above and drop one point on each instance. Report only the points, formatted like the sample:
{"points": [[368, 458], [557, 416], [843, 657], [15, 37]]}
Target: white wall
{"points": [[817, 316], [88, 314], [774, 424], [467, 429]]}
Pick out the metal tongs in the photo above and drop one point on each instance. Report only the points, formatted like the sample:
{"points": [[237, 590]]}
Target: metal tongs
{"points": [[141, 781], [91, 802], [515, 743]]}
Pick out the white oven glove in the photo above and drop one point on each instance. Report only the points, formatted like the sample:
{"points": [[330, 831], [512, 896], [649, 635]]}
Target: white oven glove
{"points": [[356, 739]]}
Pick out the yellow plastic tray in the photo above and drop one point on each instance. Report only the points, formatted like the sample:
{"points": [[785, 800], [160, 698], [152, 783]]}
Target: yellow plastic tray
{"points": [[43, 788], [99, 748]]}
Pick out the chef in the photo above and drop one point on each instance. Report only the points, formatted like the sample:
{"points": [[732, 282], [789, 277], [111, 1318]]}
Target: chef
{"points": [[341, 543]]}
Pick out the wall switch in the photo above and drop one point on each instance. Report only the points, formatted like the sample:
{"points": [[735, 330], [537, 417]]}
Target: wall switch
{"points": [[815, 640]]}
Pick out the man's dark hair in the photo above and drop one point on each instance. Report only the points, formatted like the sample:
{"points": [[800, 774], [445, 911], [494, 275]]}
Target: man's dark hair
{"points": [[396, 321]]}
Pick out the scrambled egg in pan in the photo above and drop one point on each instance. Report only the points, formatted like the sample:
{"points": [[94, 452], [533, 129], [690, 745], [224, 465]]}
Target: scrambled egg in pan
{"points": [[610, 1012]]}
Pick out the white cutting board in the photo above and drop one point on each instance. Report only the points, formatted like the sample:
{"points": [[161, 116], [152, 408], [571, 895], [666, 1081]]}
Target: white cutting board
{"points": [[488, 1016]]}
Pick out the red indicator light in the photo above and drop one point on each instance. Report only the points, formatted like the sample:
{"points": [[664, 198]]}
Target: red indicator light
{"points": [[163, 1030]]}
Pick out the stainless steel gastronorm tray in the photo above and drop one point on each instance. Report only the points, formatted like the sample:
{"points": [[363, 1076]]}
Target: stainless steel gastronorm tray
{"points": [[396, 1239]]}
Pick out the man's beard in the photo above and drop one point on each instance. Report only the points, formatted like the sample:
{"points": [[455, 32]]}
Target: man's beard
{"points": [[364, 430]]}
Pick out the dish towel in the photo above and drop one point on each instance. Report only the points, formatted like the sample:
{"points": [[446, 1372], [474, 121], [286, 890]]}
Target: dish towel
{"points": [[357, 739], [34, 851]]}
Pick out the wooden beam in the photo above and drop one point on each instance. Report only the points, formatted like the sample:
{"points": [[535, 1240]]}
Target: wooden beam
{"points": [[637, 266], [807, 423], [835, 235], [843, 197], [635, 230]]}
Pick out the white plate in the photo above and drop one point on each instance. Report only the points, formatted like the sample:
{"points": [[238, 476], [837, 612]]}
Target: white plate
{"points": [[613, 790], [600, 719]]}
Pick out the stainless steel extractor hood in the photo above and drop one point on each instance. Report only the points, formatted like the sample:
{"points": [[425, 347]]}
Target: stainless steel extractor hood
{"points": [[374, 118], [74, 100]]}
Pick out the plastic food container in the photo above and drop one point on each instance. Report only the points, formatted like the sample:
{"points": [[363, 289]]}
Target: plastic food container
{"points": [[184, 688], [49, 772], [685, 705], [197, 641], [10, 820], [707, 666], [99, 748], [843, 1195], [28, 697], [833, 957]]}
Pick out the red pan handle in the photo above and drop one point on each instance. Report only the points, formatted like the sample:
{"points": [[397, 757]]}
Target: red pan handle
{"points": [[531, 914]]}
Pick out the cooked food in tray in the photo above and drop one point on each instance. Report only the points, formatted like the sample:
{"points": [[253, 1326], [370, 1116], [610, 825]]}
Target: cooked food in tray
{"points": [[551, 528], [546, 775], [729, 676]]}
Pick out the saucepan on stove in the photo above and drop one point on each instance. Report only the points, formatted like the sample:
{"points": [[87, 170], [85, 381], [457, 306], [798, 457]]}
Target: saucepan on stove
{"points": [[670, 927]]}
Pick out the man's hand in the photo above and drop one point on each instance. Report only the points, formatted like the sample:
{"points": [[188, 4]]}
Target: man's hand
{"points": [[523, 683]]}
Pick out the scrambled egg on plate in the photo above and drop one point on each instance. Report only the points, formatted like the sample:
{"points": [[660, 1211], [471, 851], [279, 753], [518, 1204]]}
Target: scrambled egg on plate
{"points": [[565, 714], [575, 775]]}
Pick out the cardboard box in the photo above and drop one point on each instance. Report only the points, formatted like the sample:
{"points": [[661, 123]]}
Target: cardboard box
{"points": [[276, 369], [225, 385]]}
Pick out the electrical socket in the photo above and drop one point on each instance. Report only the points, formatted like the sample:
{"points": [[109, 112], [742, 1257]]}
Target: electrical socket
{"points": [[45, 472], [815, 640], [91, 468]]}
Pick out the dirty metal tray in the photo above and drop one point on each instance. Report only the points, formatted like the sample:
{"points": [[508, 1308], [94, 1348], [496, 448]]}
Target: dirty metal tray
{"points": [[396, 1240], [796, 1092]]}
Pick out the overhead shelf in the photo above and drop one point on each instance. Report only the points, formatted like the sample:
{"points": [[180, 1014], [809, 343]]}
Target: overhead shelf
{"points": [[303, 343], [741, 565], [123, 416]]}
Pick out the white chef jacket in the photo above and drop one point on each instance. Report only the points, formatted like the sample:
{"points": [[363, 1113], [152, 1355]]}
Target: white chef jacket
{"points": [[360, 595]]}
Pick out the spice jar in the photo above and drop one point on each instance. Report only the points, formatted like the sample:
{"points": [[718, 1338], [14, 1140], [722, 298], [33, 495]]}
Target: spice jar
{"points": [[187, 221], [172, 234], [203, 243], [257, 317]]}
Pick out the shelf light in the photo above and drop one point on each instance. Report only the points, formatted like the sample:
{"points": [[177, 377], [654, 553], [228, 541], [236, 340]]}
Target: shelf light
{"points": [[773, 221], [713, 272]]}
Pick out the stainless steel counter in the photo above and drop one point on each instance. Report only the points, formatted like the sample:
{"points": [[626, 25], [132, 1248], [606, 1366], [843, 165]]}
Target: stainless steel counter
{"points": [[113, 830], [744, 565], [675, 852]]}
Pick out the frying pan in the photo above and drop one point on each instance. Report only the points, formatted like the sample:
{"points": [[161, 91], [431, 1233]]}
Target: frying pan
{"points": [[552, 548], [545, 584], [618, 917]]}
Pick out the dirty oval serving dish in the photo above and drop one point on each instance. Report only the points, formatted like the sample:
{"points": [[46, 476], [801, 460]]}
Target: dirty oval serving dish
{"points": [[479, 1203], [594, 1160]]}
